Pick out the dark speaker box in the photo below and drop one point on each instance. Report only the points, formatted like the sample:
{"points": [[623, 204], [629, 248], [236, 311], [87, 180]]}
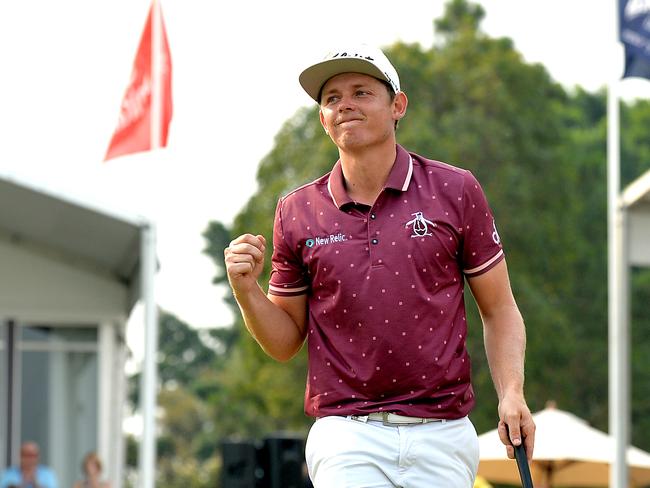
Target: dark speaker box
{"points": [[242, 466], [286, 462]]}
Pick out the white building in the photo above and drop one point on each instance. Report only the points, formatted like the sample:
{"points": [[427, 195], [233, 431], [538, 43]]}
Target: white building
{"points": [[69, 278]]}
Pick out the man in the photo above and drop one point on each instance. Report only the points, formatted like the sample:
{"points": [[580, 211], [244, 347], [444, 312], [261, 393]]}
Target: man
{"points": [[30, 474], [369, 263]]}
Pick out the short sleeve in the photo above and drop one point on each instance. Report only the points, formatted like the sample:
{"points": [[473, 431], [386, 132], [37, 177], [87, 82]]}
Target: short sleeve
{"points": [[287, 270], [9, 478], [482, 248]]}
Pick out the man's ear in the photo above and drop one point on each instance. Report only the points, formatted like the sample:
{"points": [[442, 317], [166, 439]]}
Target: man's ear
{"points": [[322, 122], [400, 103]]}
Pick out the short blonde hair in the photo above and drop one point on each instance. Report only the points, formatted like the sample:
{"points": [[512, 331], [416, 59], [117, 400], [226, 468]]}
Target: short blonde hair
{"points": [[91, 457]]}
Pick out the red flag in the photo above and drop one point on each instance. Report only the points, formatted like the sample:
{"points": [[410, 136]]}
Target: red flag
{"points": [[133, 132]]}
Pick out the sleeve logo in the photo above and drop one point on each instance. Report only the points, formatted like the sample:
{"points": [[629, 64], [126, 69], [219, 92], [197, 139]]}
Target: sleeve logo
{"points": [[495, 234]]}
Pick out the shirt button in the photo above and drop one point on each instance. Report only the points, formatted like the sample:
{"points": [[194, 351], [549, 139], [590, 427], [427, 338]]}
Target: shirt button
{"points": [[373, 216], [375, 241]]}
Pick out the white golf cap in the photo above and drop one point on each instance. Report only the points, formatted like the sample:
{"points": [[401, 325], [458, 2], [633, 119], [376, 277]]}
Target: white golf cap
{"points": [[363, 59]]}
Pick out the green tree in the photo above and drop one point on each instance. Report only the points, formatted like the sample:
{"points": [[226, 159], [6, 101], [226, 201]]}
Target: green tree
{"points": [[188, 443], [183, 355], [187, 428], [635, 161]]}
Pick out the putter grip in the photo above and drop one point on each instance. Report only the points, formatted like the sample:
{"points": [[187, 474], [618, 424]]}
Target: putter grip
{"points": [[522, 466]]}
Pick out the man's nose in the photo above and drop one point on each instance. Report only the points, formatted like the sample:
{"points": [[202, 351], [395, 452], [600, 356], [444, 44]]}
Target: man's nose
{"points": [[346, 103]]}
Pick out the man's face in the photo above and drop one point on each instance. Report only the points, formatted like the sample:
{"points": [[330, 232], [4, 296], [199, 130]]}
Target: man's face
{"points": [[357, 110], [29, 457]]}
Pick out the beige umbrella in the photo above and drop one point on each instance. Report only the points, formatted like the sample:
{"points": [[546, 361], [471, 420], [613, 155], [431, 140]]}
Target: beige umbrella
{"points": [[568, 452], [481, 483]]}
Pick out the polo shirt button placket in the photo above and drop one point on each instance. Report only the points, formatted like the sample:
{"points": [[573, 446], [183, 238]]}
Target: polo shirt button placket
{"points": [[374, 241], [374, 251]]}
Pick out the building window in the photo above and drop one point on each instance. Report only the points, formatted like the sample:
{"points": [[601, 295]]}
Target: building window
{"points": [[56, 393]]}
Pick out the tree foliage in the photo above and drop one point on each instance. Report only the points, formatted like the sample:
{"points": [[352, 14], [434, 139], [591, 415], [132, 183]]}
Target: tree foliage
{"points": [[540, 154]]}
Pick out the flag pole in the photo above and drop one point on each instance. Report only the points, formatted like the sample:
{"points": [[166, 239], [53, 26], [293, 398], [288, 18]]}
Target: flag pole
{"points": [[149, 384], [149, 380], [618, 327]]}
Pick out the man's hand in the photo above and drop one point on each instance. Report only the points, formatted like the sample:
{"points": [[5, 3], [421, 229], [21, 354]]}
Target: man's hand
{"points": [[515, 422], [245, 262]]}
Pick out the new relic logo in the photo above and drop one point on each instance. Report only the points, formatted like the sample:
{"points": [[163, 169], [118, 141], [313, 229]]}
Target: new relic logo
{"points": [[325, 240]]}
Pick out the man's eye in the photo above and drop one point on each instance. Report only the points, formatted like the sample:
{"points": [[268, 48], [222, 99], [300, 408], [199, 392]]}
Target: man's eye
{"points": [[332, 99], [361, 92]]}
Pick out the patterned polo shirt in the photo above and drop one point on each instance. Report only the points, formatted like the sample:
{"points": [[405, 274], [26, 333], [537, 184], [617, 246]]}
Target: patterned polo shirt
{"points": [[385, 284]]}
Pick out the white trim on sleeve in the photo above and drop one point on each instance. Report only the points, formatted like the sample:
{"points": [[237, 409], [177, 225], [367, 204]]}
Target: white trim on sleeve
{"points": [[281, 289], [484, 265]]}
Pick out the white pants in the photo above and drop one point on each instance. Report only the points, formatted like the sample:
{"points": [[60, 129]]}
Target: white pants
{"points": [[346, 453]]}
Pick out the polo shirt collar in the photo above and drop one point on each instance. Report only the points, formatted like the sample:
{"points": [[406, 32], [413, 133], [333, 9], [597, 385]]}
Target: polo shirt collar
{"points": [[398, 178]]}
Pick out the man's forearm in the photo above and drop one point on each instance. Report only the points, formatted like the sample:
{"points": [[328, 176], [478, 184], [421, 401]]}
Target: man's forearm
{"points": [[505, 346], [272, 327]]}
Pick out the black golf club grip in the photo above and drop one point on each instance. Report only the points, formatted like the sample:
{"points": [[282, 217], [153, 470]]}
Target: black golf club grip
{"points": [[522, 466]]}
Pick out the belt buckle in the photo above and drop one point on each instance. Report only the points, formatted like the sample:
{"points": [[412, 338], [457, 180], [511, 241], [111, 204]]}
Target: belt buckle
{"points": [[403, 420], [386, 420]]}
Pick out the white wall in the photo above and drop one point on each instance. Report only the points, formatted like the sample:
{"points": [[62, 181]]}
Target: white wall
{"points": [[639, 234], [36, 285]]}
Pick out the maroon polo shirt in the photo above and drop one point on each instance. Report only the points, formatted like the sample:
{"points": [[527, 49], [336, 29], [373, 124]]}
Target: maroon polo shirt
{"points": [[386, 315]]}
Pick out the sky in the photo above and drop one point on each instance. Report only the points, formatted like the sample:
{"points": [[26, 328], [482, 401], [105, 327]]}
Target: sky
{"points": [[66, 64]]}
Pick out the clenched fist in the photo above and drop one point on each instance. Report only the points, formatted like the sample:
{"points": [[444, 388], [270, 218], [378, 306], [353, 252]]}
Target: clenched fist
{"points": [[245, 262]]}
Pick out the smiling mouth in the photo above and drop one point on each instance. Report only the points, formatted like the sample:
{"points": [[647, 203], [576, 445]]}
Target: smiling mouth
{"points": [[345, 122]]}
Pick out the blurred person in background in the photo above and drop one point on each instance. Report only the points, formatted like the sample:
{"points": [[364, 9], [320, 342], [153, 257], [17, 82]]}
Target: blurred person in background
{"points": [[30, 474], [91, 467]]}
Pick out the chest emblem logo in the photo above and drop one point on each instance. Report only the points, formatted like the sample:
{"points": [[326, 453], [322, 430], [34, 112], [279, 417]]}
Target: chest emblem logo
{"points": [[420, 225]]}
